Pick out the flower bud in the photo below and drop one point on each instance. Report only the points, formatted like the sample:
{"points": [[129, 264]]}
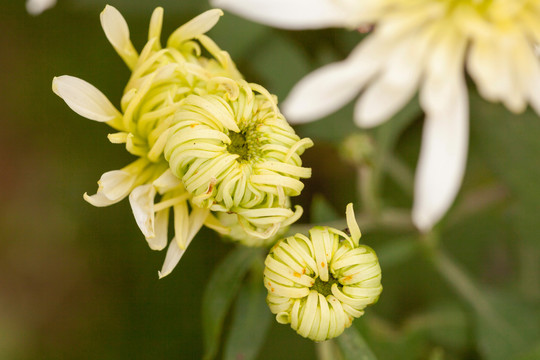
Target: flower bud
{"points": [[320, 283]]}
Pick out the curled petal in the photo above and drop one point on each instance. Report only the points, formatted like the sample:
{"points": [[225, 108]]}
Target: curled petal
{"points": [[298, 14], [156, 23], [195, 27], [116, 29], [352, 224], [159, 241], [113, 187], [85, 99], [166, 182], [321, 283]]}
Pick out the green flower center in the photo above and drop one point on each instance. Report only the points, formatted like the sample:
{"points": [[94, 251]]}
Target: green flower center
{"points": [[325, 287], [245, 143]]}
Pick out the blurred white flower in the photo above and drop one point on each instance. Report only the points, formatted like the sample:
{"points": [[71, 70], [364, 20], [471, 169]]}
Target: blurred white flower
{"points": [[36, 7], [419, 44]]}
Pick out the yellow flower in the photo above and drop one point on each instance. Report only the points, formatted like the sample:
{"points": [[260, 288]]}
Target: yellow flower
{"points": [[320, 283], [168, 120]]}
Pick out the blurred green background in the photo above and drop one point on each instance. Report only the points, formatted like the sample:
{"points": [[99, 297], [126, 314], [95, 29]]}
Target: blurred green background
{"points": [[79, 282]]}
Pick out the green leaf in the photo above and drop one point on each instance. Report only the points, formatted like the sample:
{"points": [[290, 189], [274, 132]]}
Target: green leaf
{"points": [[353, 345], [220, 292], [251, 320]]}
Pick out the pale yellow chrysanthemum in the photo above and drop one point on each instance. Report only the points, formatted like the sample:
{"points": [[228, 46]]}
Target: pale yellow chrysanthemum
{"points": [[417, 45], [245, 160], [320, 283], [165, 87]]}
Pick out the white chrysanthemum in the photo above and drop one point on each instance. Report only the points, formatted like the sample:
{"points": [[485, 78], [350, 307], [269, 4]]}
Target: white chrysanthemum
{"points": [[420, 44], [321, 283], [165, 85]]}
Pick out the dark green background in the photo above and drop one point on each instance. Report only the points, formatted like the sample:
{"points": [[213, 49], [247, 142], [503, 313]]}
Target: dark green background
{"points": [[78, 282]]}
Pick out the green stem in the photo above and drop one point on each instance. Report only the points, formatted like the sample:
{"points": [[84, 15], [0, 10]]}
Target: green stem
{"points": [[367, 188], [399, 172], [328, 350]]}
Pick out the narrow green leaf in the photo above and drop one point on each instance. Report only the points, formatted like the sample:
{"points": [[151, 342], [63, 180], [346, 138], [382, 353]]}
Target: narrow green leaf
{"points": [[354, 346], [220, 292], [251, 320]]}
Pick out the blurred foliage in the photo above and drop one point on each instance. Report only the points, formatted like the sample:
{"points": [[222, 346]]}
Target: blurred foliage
{"points": [[80, 282]]}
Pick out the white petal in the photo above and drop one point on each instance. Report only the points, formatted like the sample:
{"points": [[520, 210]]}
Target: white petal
{"points": [[36, 7], [444, 69], [174, 254], [443, 157], [195, 27], [327, 89], [181, 224], [289, 14], [196, 220], [84, 98], [113, 187], [116, 29], [159, 241], [166, 182], [98, 199], [141, 200], [398, 83]]}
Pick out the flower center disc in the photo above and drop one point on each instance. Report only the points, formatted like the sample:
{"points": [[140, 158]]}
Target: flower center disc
{"points": [[244, 144], [325, 287]]}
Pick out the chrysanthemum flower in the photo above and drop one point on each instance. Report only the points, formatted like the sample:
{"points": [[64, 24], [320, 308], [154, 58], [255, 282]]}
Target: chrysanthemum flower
{"points": [[206, 140], [320, 283], [245, 159], [422, 44]]}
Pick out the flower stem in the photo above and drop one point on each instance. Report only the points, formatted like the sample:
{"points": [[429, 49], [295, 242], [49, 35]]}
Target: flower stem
{"points": [[328, 350], [368, 189]]}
